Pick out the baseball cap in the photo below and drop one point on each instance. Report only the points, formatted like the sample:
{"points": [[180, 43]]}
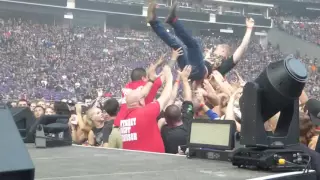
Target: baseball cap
{"points": [[313, 107]]}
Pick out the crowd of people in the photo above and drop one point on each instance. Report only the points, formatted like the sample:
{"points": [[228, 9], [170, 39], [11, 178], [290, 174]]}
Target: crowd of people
{"points": [[304, 28], [163, 83], [54, 63]]}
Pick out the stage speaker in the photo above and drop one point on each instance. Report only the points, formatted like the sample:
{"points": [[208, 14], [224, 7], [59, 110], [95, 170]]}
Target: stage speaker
{"points": [[24, 120], [15, 161]]}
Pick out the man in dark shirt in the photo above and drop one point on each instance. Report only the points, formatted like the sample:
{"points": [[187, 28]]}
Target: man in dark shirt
{"points": [[111, 107], [226, 65], [177, 130]]}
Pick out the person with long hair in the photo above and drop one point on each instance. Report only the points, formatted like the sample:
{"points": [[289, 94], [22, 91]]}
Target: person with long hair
{"points": [[95, 137], [308, 134]]}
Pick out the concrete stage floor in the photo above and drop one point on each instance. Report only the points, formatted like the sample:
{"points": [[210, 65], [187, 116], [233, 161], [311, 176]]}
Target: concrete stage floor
{"points": [[88, 163]]}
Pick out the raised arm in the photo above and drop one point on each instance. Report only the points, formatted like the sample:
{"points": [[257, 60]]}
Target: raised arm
{"points": [[230, 108], [152, 76], [187, 105], [174, 57], [174, 91], [245, 41], [166, 93], [96, 102], [187, 93], [221, 83], [81, 122], [210, 113], [212, 95], [163, 101]]}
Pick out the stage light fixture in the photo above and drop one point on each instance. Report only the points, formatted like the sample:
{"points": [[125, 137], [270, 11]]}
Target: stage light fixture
{"points": [[277, 89]]}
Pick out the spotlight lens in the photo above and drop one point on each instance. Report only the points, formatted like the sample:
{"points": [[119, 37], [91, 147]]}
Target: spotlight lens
{"points": [[296, 69]]}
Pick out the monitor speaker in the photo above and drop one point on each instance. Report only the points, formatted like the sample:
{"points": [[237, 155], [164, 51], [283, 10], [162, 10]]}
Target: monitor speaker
{"points": [[24, 120], [15, 161]]}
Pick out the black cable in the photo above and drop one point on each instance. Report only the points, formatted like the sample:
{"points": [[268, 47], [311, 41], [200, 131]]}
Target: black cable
{"points": [[308, 165]]}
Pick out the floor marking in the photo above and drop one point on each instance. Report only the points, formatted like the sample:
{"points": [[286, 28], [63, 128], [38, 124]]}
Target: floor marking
{"points": [[178, 155], [112, 174], [279, 175]]}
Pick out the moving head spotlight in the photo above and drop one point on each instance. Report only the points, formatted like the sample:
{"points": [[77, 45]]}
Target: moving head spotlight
{"points": [[277, 89]]}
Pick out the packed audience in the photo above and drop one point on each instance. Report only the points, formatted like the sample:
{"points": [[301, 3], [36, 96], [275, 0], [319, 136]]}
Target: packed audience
{"points": [[121, 88], [304, 28], [55, 63], [81, 64]]}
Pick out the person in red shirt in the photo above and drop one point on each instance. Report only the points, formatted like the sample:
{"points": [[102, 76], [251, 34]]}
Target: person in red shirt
{"points": [[138, 80], [139, 128]]}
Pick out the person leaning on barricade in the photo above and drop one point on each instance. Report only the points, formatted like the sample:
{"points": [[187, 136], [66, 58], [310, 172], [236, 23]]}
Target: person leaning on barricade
{"points": [[95, 136], [38, 112], [80, 125], [111, 135]]}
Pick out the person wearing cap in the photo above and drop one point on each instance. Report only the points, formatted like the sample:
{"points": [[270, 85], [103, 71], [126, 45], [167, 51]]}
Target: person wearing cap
{"points": [[139, 128], [313, 109]]}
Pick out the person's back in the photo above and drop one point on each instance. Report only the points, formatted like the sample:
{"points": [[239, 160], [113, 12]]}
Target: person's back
{"points": [[174, 137], [140, 130]]}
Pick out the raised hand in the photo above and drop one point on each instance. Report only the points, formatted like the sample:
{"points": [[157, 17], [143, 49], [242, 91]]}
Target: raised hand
{"points": [[208, 87], [100, 92], [185, 73], [203, 92], [250, 22], [151, 72], [240, 80], [160, 61], [176, 53]]}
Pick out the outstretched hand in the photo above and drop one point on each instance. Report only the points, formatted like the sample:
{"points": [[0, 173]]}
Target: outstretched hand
{"points": [[160, 61], [176, 53], [185, 73], [208, 87], [151, 71]]}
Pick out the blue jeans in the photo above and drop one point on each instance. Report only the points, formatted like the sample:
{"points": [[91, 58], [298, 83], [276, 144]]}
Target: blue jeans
{"points": [[192, 53]]}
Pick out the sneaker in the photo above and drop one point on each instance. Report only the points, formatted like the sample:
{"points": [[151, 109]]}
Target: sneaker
{"points": [[151, 15], [172, 14]]}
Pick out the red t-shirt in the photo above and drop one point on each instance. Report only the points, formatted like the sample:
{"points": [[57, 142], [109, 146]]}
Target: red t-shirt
{"points": [[140, 131], [131, 86]]}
